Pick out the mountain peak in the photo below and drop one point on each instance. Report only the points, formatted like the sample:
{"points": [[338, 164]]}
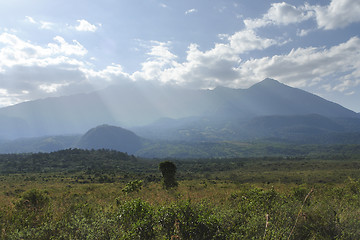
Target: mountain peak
{"points": [[268, 82]]}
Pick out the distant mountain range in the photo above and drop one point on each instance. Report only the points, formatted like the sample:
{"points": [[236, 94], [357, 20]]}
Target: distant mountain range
{"points": [[267, 111]]}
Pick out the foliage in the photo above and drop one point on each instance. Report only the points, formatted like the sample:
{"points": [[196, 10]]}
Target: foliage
{"points": [[136, 218], [237, 198], [249, 212], [133, 186], [68, 160]]}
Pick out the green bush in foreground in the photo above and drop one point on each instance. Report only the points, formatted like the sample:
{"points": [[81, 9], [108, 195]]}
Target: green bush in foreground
{"points": [[329, 212]]}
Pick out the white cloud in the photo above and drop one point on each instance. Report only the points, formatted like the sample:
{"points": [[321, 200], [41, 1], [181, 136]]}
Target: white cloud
{"points": [[280, 14], [285, 14], [160, 58], [338, 14], [7, 98], [108, 74], [247, 40], [42, 24], [66, 48], [193, 10], [53, 87], [29, 71], [30, 19], [85, 26], [303, 32], [46, 25], [19, 52], [202, 69], [222, 65], [302, 66]]}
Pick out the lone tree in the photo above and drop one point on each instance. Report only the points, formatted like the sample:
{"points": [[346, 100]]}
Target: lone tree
{"points": [[168, 170]]}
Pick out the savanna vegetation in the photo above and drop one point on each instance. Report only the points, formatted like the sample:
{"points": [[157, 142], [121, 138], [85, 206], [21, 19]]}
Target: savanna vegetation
{"points": [[103, 194]]}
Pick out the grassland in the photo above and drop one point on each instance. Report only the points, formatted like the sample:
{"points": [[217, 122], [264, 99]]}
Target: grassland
{"points": [[115, 196]]}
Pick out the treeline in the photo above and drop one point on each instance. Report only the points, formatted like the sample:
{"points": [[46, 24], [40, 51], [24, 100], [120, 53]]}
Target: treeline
{"points": [[233, 149], [111, 166], [73, 160]]}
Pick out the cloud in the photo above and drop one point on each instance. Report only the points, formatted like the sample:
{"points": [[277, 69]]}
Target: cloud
{"points": [[248, 40], [280, 14], [85, 26], [30, 20], [193, 10], [29, 71], [338, 14], [42, 24], [46, 25], [106, 75], [159, 58], [202, 69], [337, 66], [303, 32], [19, 52], [7, 98], [310, 66]]}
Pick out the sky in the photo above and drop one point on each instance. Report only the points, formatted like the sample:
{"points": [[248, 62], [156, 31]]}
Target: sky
{"points": [[55, 48]]}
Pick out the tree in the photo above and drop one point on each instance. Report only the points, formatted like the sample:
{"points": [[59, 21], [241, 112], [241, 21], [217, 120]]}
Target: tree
{"points": [[168, 170]]}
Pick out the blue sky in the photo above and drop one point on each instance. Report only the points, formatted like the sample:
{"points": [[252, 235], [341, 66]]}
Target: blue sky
{"points": [[55, 48]]}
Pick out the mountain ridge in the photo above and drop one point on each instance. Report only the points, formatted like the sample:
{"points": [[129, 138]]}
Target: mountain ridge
{"points": [[132, 104]]}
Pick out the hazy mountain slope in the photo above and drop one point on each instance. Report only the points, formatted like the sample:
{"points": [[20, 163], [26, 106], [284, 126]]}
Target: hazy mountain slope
{"points": [[239, 115], [56, 116], [110, 137], [40, 144], [132, 104], [271, 97]]}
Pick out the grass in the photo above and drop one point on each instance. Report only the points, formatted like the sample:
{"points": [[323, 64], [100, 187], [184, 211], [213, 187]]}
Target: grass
{"points": [[252, 198]]}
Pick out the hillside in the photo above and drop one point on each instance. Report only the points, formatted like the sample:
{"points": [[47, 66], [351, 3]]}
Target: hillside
{"points": [[178, 122], [140, 104], [110, 137]]}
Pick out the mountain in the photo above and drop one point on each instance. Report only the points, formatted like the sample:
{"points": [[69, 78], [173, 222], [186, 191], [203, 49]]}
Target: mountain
{"points": [[267, 110], [110, 137], [38, 144], [270, 97], [199, 115], [54, 116]]}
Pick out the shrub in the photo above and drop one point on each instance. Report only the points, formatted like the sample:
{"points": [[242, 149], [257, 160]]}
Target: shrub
{"points": [[133, 186], [136, 218], [196, 221]]}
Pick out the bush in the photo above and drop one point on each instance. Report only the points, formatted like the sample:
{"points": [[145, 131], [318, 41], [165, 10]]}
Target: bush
{"points": [[133, 186], [33, 200], [136, 218], [196, 221]]}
